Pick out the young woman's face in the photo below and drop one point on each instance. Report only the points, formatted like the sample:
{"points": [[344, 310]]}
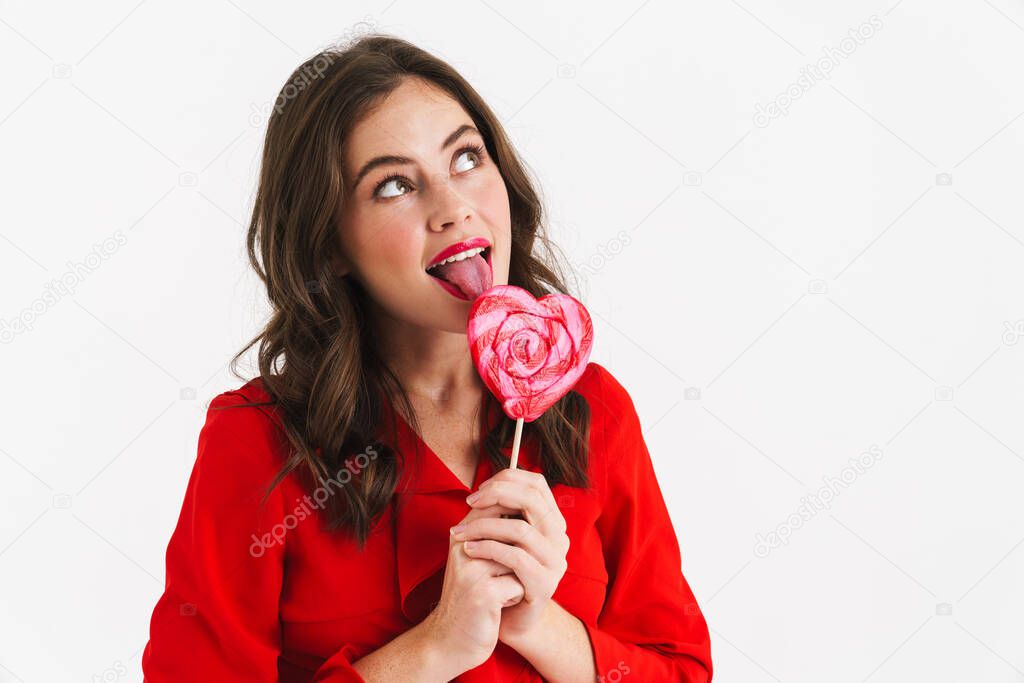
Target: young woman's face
{"points": [[400, 214]]}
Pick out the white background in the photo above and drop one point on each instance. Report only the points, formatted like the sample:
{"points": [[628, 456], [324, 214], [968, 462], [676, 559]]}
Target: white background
{"points": [[778, 299]]}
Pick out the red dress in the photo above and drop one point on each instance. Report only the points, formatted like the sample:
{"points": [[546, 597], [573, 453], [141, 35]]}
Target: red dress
{"points": [[263, 594]]}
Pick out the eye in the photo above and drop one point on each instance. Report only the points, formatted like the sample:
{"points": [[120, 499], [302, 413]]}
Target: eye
{"points": [[389, 187], [474, 153], [466, 159]]}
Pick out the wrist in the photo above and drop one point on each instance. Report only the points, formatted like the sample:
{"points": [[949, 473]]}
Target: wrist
{"points": [[527, 641], [431, 653]]}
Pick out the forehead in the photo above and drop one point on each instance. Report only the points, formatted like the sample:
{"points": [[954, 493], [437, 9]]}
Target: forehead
{"points": [[413, 120]]}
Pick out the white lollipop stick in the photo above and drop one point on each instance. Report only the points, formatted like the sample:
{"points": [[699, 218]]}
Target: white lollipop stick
{"points": [[515, 444]]}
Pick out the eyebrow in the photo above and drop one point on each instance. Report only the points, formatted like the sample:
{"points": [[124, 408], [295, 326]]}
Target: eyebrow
{"points": [[394, 160]]}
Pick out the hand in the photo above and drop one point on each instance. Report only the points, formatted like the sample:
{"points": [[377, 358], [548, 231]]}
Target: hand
{"points": [[534, 547], [464, 625]]}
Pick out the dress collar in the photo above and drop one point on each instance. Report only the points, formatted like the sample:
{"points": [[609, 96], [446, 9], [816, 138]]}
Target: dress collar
{"points": [[428, 501], [423, 471]]}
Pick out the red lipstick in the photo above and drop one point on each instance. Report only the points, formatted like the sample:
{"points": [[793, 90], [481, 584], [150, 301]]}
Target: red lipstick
{"points": [[457, 247]]}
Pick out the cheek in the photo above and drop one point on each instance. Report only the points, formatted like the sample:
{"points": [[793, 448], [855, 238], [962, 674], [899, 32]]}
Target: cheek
{"points": [[389, 268], [494, 201], [391, 261], [380, 238], [495, 211]]}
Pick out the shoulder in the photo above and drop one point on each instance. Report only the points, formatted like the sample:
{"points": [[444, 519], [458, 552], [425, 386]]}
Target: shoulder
{"points": [[234, 489], [604, 393], [252, 391], [249, 404], [615, 432], [243, 431]]}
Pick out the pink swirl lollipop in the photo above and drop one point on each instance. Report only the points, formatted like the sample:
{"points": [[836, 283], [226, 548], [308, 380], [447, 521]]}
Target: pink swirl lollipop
{"points": [[529, 352]]}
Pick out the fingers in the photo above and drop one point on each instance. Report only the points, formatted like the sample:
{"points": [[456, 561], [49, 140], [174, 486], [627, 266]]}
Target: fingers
{"points": [[495, 511], [533, 547], [516, 532], [526, 478], [534, 578], [507, 590], [523, 493], [476, 568], [488, 511], [492, 582], [491, 567]]}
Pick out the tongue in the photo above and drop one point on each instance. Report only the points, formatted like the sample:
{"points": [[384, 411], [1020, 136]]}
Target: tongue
{"points": [[471, 275]]}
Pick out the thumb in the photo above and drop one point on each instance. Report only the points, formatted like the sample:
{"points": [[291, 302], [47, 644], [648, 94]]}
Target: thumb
{"points": [[509, 589]]}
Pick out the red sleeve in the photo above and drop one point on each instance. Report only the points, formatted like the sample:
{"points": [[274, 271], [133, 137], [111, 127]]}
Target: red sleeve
{"points": [[218, 618], [651, 626]]}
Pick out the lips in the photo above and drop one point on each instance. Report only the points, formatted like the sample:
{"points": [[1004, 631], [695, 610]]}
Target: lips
{"points": [[467, 278], [453, 249]]}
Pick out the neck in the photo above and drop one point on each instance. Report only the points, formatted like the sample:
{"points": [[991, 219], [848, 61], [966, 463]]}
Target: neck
{"points": [[428, 362]]}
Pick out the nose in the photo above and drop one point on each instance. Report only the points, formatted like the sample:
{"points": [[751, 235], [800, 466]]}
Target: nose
{"points": [[450, 208]]}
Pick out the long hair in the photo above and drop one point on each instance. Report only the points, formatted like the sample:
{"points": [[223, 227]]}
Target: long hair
{"points": [[315, 359]]}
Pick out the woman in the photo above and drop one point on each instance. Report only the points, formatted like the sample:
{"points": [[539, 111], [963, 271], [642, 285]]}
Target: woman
{"points": [[327, 532]]}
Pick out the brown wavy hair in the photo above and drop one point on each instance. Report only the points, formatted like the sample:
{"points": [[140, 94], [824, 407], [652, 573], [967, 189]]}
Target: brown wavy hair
{"points": [[315, 358]]}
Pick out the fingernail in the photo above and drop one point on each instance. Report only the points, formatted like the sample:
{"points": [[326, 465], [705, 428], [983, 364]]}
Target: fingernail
{"points": [[458, 528], [472, 497], [470, 545]]}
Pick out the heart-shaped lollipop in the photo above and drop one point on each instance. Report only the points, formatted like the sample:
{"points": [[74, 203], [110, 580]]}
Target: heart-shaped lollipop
{"points": [[529, 352]]}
